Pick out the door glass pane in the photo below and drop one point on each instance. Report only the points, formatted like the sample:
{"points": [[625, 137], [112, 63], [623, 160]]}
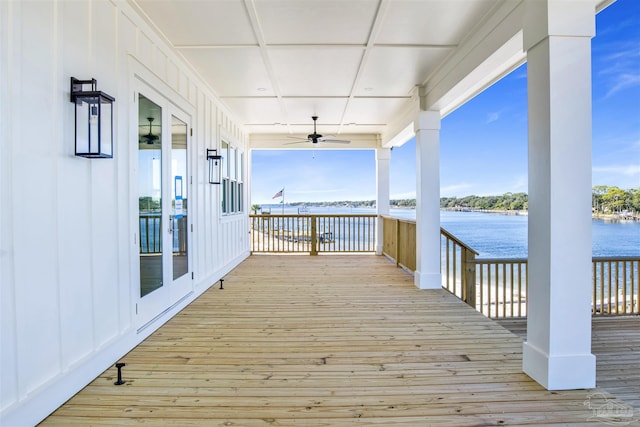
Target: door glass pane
{"points": [[150, 194], [232, 163], [179, 197], [223, 152]]}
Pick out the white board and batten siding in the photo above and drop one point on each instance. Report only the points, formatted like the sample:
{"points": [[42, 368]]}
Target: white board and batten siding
{"points": [[68, 253]]}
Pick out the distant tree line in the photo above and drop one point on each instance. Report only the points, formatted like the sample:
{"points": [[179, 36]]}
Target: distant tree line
{"points": [[606, 200], [508, 201]]}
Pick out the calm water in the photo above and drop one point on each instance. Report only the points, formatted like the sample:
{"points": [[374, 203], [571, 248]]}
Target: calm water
{"points": [[495, 235], [505, 236]]}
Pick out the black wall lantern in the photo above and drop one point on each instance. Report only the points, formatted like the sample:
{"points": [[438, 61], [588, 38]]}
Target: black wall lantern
{"points": [[94, 119], [214, 166]]}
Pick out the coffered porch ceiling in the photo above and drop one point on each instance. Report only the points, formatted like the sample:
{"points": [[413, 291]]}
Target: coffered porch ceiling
{"points": [[357, 64]]}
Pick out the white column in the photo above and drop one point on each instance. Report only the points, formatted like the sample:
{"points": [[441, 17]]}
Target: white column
{"points": [[383, 156], [557, 34], [427, 129]]}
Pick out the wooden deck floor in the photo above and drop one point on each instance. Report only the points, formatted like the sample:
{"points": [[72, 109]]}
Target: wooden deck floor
{"points": [[325, 341], [616, 343]]}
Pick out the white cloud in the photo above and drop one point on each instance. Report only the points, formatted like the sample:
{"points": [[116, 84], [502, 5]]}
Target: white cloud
{"points": [[627, 170], [315, 191], [492, 117], [520, 184], [622, 82], [456, 190]]}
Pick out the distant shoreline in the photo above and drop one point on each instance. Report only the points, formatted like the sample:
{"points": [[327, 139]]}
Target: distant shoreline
{"points": [[516, 212], [604, 217], [512, 212]]}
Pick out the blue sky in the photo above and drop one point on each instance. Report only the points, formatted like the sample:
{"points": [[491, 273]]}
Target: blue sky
{"points": [[483, 144]]}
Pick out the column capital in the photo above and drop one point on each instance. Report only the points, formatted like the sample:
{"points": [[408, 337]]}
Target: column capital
{"points": [[565, 18], [427, 120], [383, 153]]}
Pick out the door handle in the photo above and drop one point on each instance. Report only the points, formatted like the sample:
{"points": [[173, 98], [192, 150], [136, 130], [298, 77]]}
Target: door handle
{"points": [[170, 224]]}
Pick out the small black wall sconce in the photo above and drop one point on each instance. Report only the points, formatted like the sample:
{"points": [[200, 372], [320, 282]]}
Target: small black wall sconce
{"points": [[214, 166], [94, 119]]}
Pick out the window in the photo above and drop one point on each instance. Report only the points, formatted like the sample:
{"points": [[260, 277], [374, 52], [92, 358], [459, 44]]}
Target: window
{"points": [[232, 179]]}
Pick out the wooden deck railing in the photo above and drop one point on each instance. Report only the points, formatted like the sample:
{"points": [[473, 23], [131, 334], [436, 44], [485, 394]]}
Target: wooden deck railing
{"points": [[150, 234], [456, 266], [501, 286], [399, 241], [615, 285], [497, 287], [400, 245], [313, 234], [150, 229]]}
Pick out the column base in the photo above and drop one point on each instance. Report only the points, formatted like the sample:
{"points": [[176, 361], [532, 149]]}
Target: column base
{"points": [[427, 280], [566, 372]]}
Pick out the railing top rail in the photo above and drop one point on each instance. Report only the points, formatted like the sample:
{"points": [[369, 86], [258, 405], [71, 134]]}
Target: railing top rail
{"points": [[499, 260], [616, 258], [310, 215], [458, 241], [442, 230], [518, 260], [344, 215], [408, 220]]}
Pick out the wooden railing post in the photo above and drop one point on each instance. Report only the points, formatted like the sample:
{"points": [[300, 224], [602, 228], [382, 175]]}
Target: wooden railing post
{"points": [[397, 221], [469, 268], [314, 236]]}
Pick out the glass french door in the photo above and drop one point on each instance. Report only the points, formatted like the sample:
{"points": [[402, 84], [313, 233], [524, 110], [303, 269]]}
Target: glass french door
{"points": [[163, 196]]}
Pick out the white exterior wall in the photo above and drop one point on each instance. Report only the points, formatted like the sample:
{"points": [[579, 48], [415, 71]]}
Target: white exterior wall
{"points": [[68, 258]]}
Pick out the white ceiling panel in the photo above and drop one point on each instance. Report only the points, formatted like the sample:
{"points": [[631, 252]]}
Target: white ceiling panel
{"points": [[395, 71], [198, 22], [257, 110], [324, 71], [264, 129], [353, 63], [325, 129], [329, 110], [316, 22], [432, 22], [372, 110], [232, 71]]}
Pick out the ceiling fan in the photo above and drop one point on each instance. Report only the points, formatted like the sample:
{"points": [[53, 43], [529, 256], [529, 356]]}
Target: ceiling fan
{"points": [[149, 138], [315, 137]]}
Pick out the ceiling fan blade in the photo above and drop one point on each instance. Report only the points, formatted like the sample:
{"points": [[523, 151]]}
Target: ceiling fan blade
{"points": [[301, 141], [335, 141]]}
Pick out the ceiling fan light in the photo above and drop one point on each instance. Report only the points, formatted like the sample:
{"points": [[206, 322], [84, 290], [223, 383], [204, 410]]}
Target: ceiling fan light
{"points": [[150, 138]]}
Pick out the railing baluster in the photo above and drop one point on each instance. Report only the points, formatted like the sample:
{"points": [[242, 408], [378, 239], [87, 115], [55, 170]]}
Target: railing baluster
{"points": [[453, 267], [602, 287], [609, 274], [623, 287], [519, 289], [463, 273], [635, 268], [482, 290], [616, 285], [594, 297], [293, 233]]}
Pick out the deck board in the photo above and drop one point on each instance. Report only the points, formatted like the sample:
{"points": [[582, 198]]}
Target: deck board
{"points": [[325, 341], [615, 341]]}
